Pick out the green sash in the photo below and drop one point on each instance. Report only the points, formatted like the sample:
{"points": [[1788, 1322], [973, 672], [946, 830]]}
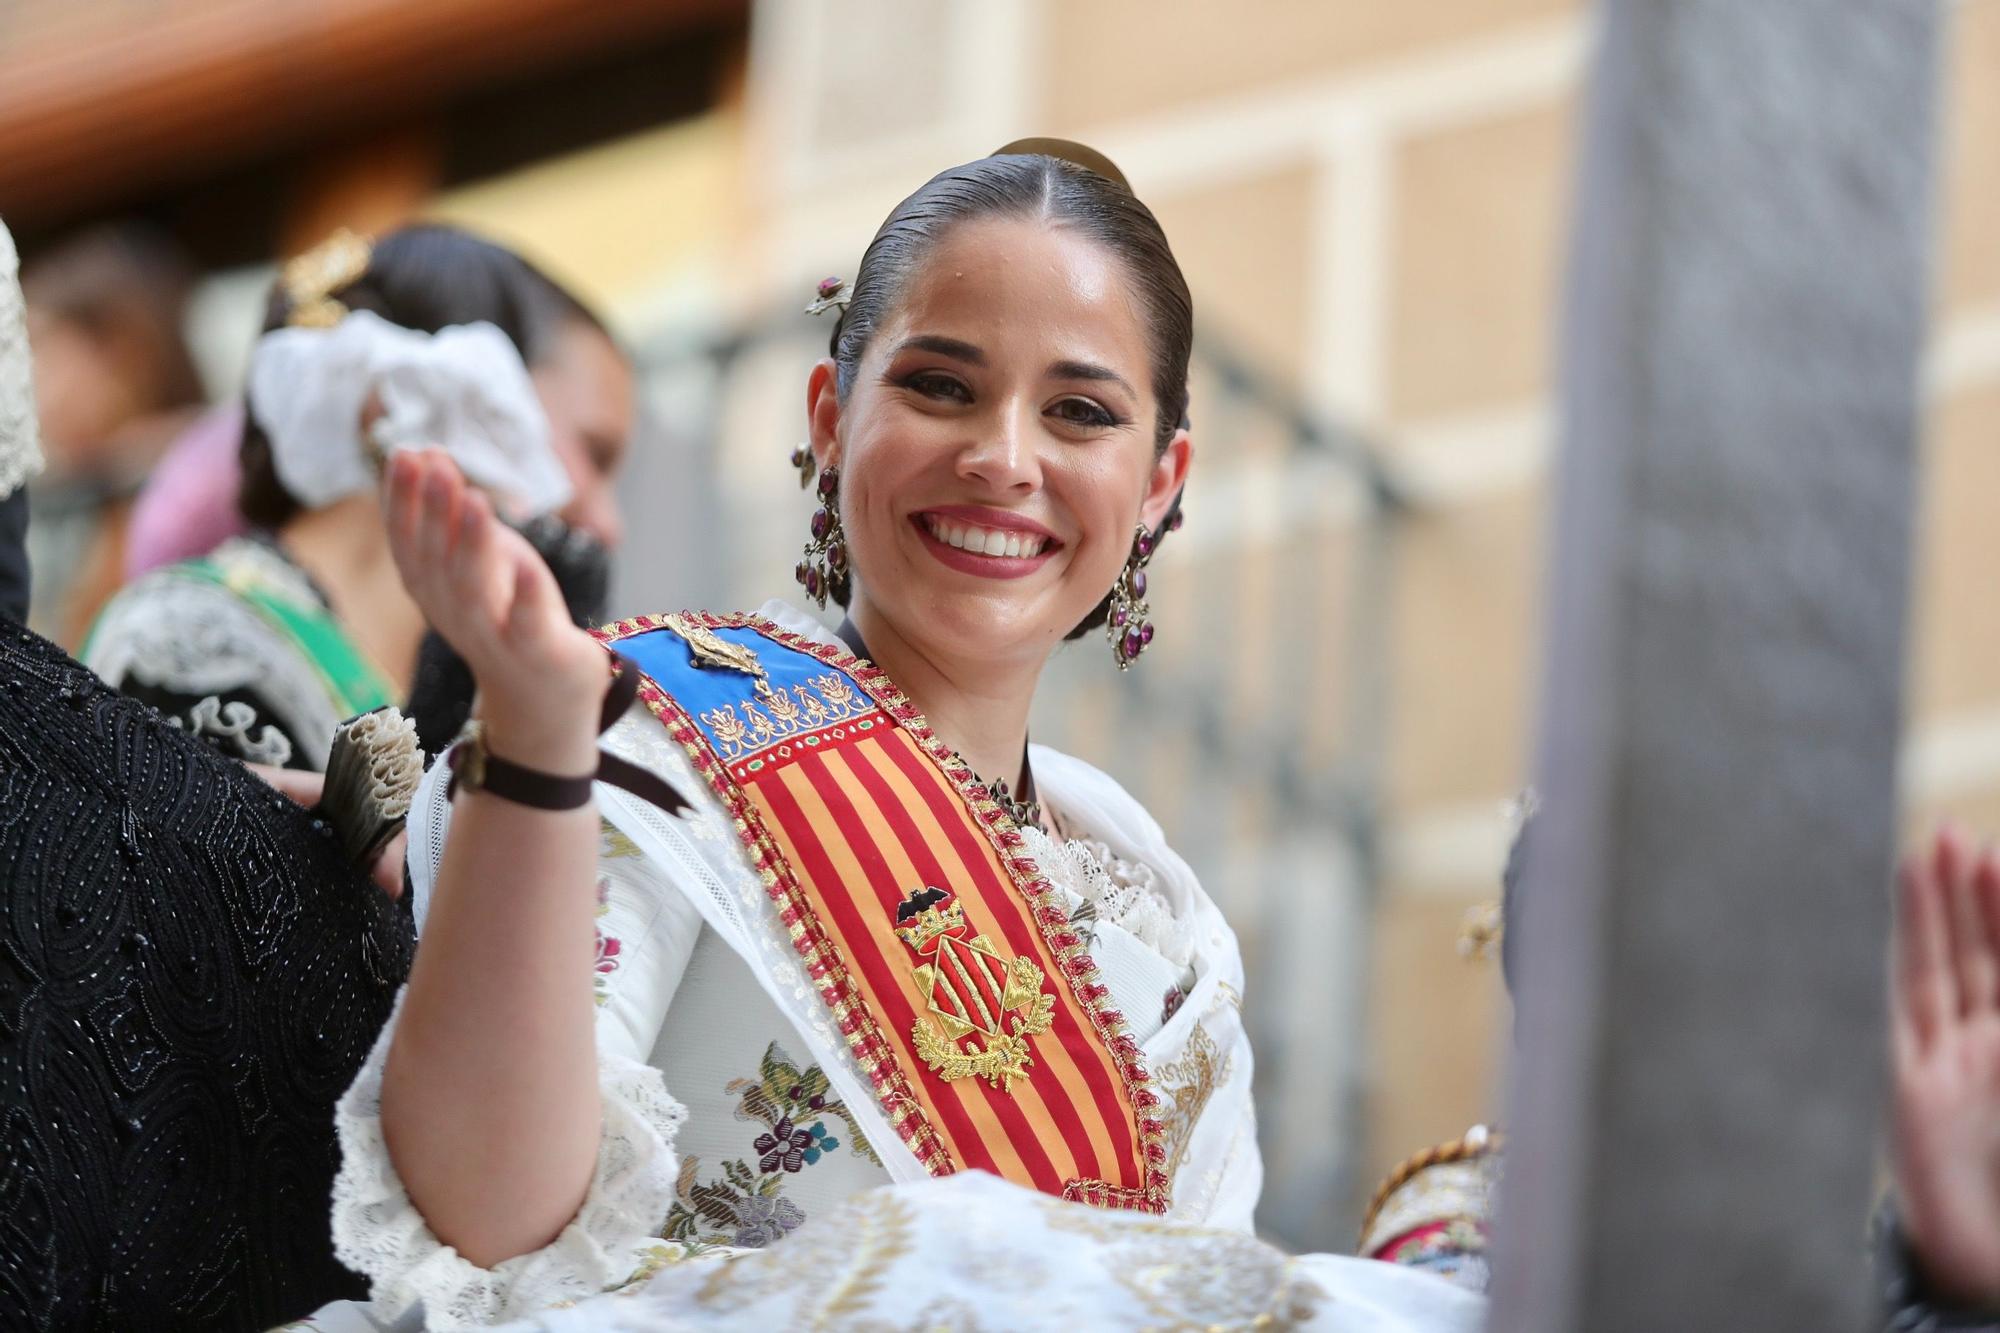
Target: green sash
{"points": [[350, 678]]}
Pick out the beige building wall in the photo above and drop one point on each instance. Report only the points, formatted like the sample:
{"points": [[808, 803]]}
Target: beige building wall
{"points": [[1370, 200]]}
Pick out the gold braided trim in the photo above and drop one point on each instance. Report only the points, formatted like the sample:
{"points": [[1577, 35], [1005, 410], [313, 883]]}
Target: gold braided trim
{"points": [[1474, 1144]]}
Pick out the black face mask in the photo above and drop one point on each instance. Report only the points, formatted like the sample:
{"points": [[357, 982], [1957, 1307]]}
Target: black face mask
{"points": [[441, 690], [14, 556]]}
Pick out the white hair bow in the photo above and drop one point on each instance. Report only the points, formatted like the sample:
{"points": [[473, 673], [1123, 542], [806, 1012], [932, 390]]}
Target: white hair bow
{"points": [[463, 388]]}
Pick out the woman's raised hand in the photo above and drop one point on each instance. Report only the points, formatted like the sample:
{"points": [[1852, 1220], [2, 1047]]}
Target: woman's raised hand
{"points": [[1945, 1058], [481, 585]]}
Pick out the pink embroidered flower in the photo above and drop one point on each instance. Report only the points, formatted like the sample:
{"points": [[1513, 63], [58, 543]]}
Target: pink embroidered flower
{"points": [[608, 949]]}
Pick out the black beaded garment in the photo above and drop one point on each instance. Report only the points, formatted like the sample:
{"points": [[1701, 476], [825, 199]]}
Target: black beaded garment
{"points": [[190, 975]]}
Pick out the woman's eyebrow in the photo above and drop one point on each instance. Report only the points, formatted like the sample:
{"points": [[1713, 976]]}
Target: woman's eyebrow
{"points": [[1089, 370], [956, 349]]}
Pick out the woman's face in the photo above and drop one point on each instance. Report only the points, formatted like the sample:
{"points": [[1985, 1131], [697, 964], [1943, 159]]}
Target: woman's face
{"points": [[585, 386], [996, 447]]}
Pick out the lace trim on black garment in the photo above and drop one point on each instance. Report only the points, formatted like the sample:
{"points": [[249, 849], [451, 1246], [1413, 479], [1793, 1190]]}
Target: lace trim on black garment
{"points": [[229, 726], [238, 723]]}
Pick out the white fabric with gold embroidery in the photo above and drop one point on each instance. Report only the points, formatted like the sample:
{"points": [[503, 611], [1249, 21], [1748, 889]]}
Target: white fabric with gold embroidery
{"points": [[674, 885], [974, 1252]]}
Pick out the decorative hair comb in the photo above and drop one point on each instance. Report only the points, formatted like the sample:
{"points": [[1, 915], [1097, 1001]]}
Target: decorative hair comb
{"points": [[1070, 151], [310, 280]]}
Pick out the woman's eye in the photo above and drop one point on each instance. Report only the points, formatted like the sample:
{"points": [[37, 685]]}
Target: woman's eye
{"points": [[933, 385], [1083, 412]]}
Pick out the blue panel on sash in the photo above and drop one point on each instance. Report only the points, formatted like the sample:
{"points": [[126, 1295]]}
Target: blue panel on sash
{"points": [[738, 718]]}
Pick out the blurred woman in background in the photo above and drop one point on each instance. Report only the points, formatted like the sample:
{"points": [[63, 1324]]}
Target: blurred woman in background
{"points": [[430, 334], [114, 383]]}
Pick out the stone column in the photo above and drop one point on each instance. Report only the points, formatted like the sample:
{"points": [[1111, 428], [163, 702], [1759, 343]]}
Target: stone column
{"points": [[1694, 1117]]}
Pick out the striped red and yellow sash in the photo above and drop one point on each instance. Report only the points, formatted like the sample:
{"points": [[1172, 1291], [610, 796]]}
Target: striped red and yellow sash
{"points": [[936, 943]]}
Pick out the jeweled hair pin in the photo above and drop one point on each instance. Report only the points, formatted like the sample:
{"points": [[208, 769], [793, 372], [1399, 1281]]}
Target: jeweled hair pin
{"points": [[831, 294]]}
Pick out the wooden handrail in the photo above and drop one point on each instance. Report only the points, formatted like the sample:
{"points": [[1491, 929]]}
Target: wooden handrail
{"points": [[90, 114]]}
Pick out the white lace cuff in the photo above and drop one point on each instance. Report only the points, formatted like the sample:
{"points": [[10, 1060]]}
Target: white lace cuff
{"points": [[378, 1232]]}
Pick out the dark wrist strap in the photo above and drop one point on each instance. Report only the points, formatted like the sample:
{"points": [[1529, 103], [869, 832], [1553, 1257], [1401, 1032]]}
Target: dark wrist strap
{"points": [[476, 768]]}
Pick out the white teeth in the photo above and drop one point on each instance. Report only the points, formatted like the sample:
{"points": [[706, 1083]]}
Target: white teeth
{"points": [[986, 541]]}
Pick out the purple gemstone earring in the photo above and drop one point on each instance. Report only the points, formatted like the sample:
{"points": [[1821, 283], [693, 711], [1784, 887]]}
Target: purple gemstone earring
{"points": [[822, 571], [1128, 625]]}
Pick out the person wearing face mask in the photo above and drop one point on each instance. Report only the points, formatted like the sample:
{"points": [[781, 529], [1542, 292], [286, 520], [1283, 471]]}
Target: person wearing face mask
{"points": [[267, 642], [886, 939]]}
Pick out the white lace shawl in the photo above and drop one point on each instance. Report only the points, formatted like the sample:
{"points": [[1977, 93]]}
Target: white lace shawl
{"points": [[1199, 1058]]}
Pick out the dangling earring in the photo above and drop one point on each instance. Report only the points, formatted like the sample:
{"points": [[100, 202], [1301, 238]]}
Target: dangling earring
{"points": [[1128, 625], [822, 572], [802, 459]]}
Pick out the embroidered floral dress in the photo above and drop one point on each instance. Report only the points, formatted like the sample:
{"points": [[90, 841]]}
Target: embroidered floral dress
{"points": [[241, 648], [734, 1112]]}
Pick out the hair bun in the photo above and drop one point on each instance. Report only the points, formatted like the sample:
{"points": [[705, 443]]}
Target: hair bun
{"points": [[1069, 150]]}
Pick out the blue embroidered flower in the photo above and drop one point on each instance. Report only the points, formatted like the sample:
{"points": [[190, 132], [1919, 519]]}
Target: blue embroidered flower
{"points": [[784, 1148], [822, 1142]]}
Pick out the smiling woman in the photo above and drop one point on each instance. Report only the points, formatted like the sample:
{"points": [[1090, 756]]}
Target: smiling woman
{"points": [[1036, 988], [997, 397]]}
